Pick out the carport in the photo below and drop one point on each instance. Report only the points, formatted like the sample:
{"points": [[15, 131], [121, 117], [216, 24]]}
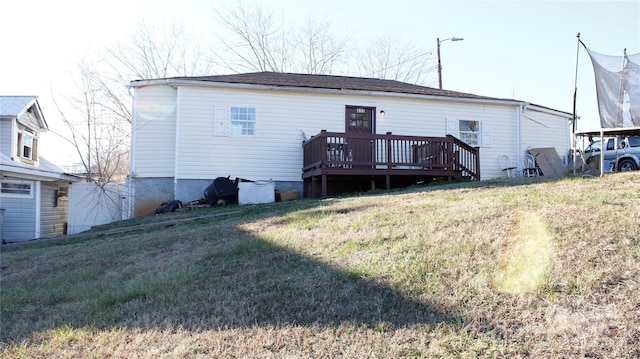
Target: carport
{"points": [[601, 133]]}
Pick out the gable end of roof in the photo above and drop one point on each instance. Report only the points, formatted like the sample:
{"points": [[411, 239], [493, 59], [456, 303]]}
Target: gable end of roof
{"points": [[18, 106]]}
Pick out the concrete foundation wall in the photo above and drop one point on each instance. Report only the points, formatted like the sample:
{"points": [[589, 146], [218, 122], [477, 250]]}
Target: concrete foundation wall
{"points": [[149, 193]]}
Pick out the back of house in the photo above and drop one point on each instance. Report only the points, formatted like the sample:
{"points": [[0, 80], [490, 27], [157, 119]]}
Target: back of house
{"points": [[188, 131]]}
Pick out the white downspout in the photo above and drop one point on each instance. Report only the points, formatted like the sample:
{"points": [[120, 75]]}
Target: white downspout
{"points": [[177, 141], [130, 184], [14, 139], [38, 209], [520, 109]]}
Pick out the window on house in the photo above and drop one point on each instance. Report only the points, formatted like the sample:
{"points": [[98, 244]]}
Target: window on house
{"points": [[469, 132], [243, 121], [16, 188], [27, 146]]}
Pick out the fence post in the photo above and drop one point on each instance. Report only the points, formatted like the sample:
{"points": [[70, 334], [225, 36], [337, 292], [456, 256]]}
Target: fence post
{"points": [[323, 149], [388, 140], [477, 169]]}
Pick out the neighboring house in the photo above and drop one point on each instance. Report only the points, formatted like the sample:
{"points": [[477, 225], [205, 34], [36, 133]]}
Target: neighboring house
{"points": [[33, 191], [187, 131]]}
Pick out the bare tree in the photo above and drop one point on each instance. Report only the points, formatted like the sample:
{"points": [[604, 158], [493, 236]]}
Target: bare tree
{"points": [[99, 132], [99, 128], [319, 49], [391, 58], [258, 43], [255, 41], [98, 113], [159, 52]]}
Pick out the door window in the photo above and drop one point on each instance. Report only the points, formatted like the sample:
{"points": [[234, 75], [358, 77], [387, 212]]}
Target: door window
{"points": [[359, 119]]}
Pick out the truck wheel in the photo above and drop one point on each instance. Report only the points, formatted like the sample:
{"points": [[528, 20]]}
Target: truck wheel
{"points": [[627, 165]]}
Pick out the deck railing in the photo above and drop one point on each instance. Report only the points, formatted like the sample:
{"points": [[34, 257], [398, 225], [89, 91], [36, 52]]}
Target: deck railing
{"points": [[355, 153]]}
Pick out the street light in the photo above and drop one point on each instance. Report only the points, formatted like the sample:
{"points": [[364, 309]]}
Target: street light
{"points": [[439, 65]]}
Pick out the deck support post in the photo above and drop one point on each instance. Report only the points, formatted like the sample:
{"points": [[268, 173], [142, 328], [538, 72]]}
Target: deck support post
{"points": [[314, 184], [388, 182], [324, 186]]}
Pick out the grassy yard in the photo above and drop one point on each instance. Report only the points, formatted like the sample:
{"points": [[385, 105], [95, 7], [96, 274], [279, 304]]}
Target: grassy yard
{"points": [[519, 268]]}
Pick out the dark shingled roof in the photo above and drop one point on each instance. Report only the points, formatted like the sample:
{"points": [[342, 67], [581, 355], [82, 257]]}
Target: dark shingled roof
{"points": [[278, 79]]}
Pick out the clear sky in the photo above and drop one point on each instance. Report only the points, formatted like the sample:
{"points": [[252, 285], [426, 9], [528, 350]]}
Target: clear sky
{"points": [[512, 49]]}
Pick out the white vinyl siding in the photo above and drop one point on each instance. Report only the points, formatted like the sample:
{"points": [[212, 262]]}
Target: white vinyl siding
{"points": [[202, 135], [543, 130], [6, 137], [182, 138], [497, 134], [154, 132], [19, 219], [275, 152]]}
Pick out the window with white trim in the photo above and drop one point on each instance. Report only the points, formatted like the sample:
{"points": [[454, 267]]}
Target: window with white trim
{"points": [[11, 188], [27, 146], [469, 132], [243, 121]]}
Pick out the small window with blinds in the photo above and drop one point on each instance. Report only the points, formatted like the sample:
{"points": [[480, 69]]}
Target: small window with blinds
{"points": [[10, 188]]}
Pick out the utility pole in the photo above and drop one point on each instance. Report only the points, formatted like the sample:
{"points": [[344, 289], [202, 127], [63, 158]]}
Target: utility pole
{"points": [[438, 55]]}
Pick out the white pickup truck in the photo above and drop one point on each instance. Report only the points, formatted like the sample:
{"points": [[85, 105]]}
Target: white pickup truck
{"points": [[623, 152]]}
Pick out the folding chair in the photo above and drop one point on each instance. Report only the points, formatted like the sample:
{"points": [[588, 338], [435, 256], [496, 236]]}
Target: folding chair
{"points": [[505, 163], [530, 169]]}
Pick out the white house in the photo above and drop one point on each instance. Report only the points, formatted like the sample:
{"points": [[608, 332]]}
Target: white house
{"points": [[187, 131], [33, 191]]}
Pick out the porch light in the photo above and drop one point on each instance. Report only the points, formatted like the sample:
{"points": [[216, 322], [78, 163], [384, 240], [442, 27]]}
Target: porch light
{"points": [[381, 113]]}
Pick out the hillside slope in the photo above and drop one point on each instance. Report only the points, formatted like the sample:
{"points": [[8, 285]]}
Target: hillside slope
{"points": [[519, 268]]}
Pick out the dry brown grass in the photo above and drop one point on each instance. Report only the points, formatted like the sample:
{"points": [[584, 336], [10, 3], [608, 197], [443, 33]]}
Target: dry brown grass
{"points": [[524, 268]]}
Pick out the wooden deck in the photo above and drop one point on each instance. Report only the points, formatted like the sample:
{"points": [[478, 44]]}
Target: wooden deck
{"points": [[335, 162]]}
